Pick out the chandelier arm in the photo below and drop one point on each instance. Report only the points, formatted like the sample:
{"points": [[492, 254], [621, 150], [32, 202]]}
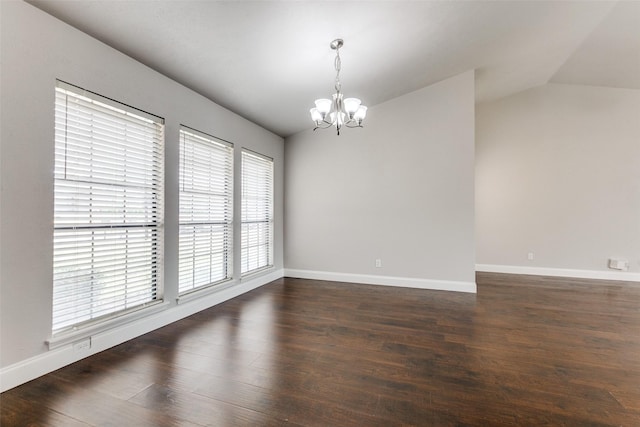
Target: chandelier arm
{"points": [[323, 125]]}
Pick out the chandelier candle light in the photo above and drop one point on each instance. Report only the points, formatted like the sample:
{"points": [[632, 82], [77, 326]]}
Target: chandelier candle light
{"points": [[338, 111]]}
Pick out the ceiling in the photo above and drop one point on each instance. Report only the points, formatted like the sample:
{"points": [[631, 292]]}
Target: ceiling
{"points": [[269, 60]]}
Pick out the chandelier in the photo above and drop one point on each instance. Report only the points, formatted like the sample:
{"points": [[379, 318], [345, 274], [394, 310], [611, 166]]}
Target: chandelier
{"points": [[338, 111]]}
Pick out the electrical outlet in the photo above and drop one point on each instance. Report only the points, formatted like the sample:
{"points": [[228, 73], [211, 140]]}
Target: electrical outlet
{"points": [[618, 264], [530, 256], [378, 263], [82, 345]]}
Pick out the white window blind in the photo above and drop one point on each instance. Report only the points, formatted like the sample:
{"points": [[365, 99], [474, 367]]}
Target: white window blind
{"points": [[108, 187], [257, 212], [206, 210]]}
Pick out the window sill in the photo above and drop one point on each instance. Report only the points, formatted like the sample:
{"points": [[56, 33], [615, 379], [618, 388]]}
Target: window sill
{"points": [[204, 291], [93, 328], [258, 272]]}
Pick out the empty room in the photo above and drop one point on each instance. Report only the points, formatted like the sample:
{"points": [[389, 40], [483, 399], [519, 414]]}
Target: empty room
{"points": [[319, 213]]}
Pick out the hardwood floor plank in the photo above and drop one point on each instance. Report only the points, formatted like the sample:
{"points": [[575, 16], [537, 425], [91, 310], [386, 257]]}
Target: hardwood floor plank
{"points": [[93, 408], [199, 409], [111, 374], [17, 411]]}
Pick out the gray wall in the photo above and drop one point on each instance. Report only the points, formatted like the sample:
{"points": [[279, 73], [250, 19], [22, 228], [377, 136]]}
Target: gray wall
{"points": [[36, 50], [400, 190], [558, 175]]}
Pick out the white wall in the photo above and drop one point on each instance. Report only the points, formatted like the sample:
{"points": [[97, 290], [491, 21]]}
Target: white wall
{"points": [[37, 49], [400, 190], [558, 175]]}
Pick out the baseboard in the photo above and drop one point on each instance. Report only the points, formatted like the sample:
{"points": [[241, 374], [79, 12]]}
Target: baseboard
{"points": [[34, 367], [560, 272], [405, 282]]}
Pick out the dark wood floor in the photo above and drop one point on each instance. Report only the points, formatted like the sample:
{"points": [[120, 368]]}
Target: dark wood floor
{"points": [[526, 351]]}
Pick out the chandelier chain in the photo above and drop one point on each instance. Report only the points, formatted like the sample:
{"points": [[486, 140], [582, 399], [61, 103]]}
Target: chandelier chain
{"points": [[338, 65]]}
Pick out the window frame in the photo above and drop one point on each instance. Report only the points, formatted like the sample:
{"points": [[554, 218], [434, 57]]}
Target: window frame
{"points": [[262, 214], [108, 179], [211, 146]]}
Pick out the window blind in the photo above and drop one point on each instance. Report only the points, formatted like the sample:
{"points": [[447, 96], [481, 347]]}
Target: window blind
{"points": [[206, 210], [257, 212], [108, 209]]}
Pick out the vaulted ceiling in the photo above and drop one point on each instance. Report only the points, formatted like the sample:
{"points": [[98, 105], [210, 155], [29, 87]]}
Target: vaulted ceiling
{"points": [[269, 60]]}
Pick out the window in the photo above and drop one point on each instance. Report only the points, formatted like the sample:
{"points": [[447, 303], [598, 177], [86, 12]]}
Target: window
{"points": [[108, 209], [257, 212], [206, 210]]}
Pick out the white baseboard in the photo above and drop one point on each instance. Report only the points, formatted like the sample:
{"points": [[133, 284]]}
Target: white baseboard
{"points": [[560, 272], [406, 282], [34, 367]]}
